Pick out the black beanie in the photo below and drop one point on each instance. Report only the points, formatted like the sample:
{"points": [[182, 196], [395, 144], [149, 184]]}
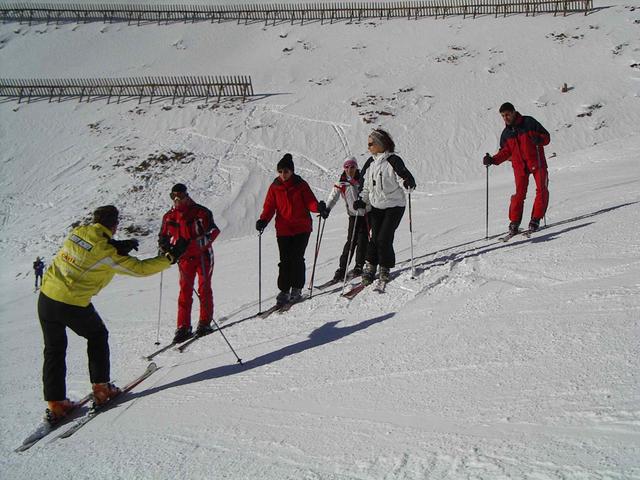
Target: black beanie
{"points": [[106, 215], [286, 162], [179, 188], [507, 107]]}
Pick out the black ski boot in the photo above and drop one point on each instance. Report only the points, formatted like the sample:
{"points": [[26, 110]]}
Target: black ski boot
{"points": [[296, 295], [339, 275], [369, 273], [203, 329], [534, 224], [182, 334], [385, 275], [282, 298]]}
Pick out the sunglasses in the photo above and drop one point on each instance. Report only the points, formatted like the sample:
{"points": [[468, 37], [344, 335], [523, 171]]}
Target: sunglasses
{"points": [[370, 144], [178, 195]]}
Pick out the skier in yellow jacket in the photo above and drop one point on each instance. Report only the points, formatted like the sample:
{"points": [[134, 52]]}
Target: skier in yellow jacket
{"points": [[86, 263]]}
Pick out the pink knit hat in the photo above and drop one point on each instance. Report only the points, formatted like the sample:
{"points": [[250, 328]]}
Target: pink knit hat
{"points": [[350, 162]]}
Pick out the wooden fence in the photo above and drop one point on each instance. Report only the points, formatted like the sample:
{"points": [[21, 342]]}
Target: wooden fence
{"points": [[138, 87], [278, 13]]}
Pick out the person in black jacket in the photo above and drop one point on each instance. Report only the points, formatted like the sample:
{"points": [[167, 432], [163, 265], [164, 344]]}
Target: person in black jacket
{"points": [[38, 270]]}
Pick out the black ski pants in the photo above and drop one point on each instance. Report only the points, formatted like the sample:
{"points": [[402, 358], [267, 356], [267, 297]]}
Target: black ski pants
{"points": [[359, 244], [292, 267], [55, 317], [383, 223]]}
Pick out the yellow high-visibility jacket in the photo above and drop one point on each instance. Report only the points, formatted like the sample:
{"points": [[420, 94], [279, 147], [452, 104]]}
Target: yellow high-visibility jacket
{"points": [[87, 262]]}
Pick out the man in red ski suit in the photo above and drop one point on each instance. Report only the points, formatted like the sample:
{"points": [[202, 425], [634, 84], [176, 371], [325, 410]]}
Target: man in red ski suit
{"points": [[290, 199], [522, 141], [194, 223]]}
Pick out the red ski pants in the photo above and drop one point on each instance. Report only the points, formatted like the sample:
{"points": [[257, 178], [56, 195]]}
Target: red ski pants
{"points": [[542, 195], [188, 267]]}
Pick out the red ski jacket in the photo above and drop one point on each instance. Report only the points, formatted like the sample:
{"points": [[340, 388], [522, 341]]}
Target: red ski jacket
{"points": [[291, 202], [192, 222], [523, 143]]}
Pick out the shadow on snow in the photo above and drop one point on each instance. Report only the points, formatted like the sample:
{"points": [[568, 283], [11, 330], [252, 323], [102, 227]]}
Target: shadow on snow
{"points": [[327, 333], [541, 236]]}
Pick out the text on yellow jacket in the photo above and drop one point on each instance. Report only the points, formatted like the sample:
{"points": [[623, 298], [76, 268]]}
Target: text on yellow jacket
{"points": [[87, 262]]}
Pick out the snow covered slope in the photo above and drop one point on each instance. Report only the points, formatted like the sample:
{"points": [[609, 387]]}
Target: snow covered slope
{"points": [[515, 360]]}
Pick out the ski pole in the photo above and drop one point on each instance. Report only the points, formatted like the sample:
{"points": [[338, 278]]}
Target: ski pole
{"points": [[548, 195], [259, 272], [225, 339], [202, 263], [351, 251], [486, 232], [546, 181], [413, 270], [315, 257], [159, 312]]}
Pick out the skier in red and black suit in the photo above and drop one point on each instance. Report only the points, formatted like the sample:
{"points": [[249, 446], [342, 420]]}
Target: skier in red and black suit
{"points": [[194, 223], [522, 141], [290, 199]]}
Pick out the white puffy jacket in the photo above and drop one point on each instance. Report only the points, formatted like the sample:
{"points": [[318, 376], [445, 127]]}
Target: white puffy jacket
{"points": [[383, 188]]}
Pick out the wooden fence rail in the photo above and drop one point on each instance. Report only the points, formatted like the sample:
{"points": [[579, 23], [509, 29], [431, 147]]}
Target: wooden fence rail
{"points": [[204, 87], [277, 13]]}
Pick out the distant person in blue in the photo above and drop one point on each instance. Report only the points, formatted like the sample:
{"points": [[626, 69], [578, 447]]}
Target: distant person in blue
{"points": [[38, 270]]}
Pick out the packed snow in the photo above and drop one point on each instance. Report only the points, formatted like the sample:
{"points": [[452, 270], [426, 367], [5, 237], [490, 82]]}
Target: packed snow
{"points": [[498, 360]]}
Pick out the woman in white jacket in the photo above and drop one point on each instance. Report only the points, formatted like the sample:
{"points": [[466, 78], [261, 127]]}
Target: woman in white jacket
{"points": [[385, 180], [348, 187]]}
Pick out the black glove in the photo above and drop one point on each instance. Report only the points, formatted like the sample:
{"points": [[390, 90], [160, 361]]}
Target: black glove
{"points": [[261, 225], [123, 247], [487, 160], [174, 252], [323, 210], [409, 183], [164, 244], [359, 204]]}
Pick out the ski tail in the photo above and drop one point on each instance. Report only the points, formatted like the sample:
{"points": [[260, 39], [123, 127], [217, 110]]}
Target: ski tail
{"points": [[159, 351], [269, 311], [327, 284], [185, 345], [380, 286], [95, 410], [354, 291], [45, 427]]}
